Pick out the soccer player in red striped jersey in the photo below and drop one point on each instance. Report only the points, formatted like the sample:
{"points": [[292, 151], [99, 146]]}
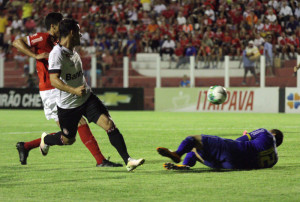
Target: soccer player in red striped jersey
{"points": [[39, 46]]}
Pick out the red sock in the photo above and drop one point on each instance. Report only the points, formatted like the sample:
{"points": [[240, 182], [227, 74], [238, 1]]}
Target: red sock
{"points": [[32, 144], [89, 141]]}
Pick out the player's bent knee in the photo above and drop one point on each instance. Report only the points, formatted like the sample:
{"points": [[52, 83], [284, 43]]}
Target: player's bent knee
{"points": [[105, 122], [68, 141], [108, 124]]}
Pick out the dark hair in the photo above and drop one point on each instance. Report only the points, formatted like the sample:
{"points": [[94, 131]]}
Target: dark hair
{"points": [[52, 19], [278, 136], [66, 26]]}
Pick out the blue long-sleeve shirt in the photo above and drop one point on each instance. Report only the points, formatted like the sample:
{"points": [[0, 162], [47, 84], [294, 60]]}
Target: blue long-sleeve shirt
{"points": [[258, 149]]}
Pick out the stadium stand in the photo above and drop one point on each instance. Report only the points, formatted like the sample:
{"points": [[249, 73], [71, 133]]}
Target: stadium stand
{"points": [[214, 28]]}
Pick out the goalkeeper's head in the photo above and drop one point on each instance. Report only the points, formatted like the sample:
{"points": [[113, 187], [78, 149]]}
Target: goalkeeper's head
{"points": [[278, 136]]}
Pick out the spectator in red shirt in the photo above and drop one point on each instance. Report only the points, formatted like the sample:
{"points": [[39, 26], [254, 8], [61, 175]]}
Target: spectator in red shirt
{"points": [[282, 45], [226, 43], [222, 20], [109, 30], [219, 35], [171, 32], [121, 30], [235, 45], [196, 42], [183, 40], [276, 28], [179, 52], [267, 26], [293, 45], [140, 27], [169, 14], [296, 42]]}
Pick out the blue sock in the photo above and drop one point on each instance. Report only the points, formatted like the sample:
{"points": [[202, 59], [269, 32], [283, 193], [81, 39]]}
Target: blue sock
{"points": [[190, 159], [186, 146]]}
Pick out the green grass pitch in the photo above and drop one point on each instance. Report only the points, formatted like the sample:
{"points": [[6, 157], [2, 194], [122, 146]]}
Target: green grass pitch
{"points": [[68, 173]]}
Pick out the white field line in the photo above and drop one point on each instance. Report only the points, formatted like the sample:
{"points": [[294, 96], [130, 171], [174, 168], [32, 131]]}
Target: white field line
{"points": [[155, 129]]}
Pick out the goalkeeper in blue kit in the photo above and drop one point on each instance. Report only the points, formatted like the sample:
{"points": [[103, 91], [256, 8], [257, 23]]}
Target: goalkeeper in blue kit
{"points": [[254, 150]]}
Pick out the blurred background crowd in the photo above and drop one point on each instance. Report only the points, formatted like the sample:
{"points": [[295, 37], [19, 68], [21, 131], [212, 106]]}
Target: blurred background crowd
{"points": [[208, 29]]}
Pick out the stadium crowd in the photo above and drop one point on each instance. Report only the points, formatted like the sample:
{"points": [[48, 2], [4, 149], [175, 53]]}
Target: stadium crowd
{"points": [[208, 29]]}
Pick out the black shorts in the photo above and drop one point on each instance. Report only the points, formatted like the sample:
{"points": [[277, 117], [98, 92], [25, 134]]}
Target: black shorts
{"points": [[69, 118]]}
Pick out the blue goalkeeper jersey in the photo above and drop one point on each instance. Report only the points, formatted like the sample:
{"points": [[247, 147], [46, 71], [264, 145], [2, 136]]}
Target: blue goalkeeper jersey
{"points": [[258, 148], [254, 150]]}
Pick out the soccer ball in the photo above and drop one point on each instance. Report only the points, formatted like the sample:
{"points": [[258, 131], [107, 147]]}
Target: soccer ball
{"points": [[217, 94]]}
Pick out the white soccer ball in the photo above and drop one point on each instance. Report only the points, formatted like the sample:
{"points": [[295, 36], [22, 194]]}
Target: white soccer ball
{"points": [[217, 94]]}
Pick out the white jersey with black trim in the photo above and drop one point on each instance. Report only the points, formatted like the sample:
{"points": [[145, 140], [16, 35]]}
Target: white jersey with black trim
{"points": [[69, 65]]}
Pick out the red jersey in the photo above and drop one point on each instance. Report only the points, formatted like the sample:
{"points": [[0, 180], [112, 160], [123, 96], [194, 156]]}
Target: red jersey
{"points": [[42, 43], [221, 22], [179, 51]]}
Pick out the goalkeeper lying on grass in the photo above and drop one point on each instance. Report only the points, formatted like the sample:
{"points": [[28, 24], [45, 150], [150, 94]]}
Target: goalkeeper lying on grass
{"points": [[254, 150]]}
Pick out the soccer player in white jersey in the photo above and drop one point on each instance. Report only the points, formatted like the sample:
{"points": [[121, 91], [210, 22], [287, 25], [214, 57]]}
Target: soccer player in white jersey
{"points": [[39, 46], [75, 98]]}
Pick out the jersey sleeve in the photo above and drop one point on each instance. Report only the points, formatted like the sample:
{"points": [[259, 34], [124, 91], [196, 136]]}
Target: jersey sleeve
{"points": [[244, 138], [55, 62], [34, 40], [256, 133]]}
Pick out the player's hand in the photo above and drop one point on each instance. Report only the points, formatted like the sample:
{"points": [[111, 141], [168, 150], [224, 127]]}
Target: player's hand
{"points": [[42, 56], [80, 91], [296, 68]]}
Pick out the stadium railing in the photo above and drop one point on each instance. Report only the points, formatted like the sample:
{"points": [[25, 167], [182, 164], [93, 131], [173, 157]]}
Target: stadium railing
{"points": [[157, 72]]}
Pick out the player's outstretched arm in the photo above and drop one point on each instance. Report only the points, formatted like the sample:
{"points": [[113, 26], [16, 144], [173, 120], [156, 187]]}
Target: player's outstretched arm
{"points": [[245, 137], [59, 84], [23, 47]]}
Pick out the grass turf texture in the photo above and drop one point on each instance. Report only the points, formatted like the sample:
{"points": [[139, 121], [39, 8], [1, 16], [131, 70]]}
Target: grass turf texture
{"points": [[68, 173]]}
